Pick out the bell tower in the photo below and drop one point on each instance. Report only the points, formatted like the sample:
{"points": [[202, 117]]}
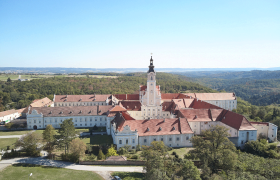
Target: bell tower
{"points": [[151, 84]]}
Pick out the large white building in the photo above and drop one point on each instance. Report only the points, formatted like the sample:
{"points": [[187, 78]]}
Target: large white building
{"points": [[139, 119]]}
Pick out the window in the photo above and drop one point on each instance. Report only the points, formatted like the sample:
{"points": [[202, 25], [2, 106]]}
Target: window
{"points": [[133, 147], [90, 124], [85, 124], [80, 119], [39, 121], [90, 119], [252, 134], [126, 141], [120, 141], [161, 139], [55, 120], [178, 138], [272, 135], [95, 119], [241, 142], [170, 139], [75, 120], [85, 119], [133, 141], [34, 121], [80, 124], [187, 138], [155, 139], [145, 140], [201, 125]]}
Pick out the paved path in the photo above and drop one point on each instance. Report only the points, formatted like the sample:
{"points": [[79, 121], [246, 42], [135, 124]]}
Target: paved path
{"points": [[104, 171], [11, 136]]}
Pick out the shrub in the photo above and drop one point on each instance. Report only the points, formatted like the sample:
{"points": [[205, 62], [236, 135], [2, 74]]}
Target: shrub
{"points": [[138, 147], [133, 151], [100, 156], [95, 128], [174, 153], [176, 156], [134, 156]]}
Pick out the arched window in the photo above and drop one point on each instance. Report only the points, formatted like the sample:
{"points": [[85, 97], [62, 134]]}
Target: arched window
{"points": [[151, 77]]}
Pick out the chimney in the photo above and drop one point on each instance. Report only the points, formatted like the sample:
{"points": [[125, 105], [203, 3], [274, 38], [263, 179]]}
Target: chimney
{"points": [[179, 119], [66, 95], [126, 96], [97, 109]]}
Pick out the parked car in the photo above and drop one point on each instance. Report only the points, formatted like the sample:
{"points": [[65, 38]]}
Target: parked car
{"points": [[117, 178]]}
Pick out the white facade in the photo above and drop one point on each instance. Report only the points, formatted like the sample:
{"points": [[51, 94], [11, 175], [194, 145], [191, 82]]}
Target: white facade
{"points": [[9, 116], [41, 122], [225, 104]]}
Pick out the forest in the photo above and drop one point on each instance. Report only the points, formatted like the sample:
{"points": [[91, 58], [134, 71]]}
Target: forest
{"points": [[16, 94], [257, 87]]}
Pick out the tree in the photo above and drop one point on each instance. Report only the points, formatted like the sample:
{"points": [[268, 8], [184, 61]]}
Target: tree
{"points": [[111, 152], [66, 133], [100, 156], [49, 138], [9, 125], [189, 170], [28, 143], [214, 149], [9, 79], [77, 148]]}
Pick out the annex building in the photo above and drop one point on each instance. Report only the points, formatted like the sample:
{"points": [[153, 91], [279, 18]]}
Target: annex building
{"points": [[133, 119]]}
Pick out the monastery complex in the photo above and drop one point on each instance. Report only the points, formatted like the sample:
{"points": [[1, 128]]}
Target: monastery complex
{"points": [[133, 119]]}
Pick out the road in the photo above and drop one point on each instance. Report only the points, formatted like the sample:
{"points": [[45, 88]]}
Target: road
{"points": [[104, 171]]}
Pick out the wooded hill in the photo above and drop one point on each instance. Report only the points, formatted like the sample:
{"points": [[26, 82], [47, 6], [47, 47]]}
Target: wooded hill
{"points": [[257, 87], [16, 94]]}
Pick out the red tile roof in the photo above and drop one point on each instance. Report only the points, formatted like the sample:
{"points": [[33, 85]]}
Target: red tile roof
{"points": [[81, 98], [167, 106], [117, 108], [8, 112], [198, 104], [127, 116], [158, 126], [131, 105], [236, 121], [196, 115], [122, 97]]}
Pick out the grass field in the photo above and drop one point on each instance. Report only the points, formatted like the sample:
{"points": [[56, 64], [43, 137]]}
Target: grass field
{"points": [[129, 175], [22, 171], [4, 77], [7, 133], [7, 142], [181, 151]]}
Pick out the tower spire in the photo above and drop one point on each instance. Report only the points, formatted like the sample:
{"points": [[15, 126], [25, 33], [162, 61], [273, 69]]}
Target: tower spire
{"points": [[151, 67]]}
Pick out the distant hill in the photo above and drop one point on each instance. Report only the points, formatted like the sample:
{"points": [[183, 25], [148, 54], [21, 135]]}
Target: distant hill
{"points": [[62, 70], [257, 87]]}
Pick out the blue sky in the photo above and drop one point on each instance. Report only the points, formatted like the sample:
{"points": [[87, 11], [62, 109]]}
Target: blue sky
{"points": [[122, 34]]}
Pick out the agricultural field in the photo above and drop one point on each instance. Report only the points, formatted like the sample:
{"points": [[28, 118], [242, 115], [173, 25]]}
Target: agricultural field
{"points": [[4, 77]]}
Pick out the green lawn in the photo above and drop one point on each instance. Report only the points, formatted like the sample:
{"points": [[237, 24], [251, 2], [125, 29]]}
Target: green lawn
{"points": [[129, 175], [22, 171], [7, 142], [7, 133], [181, 151], [98, 139]]}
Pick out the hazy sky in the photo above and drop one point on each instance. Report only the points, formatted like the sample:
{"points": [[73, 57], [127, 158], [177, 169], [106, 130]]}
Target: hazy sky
{"points": [[122, 34]]}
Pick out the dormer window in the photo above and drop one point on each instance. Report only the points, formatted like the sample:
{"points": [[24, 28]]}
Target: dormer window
{"points": [[159, 128], [173, 128], [148, 129]]}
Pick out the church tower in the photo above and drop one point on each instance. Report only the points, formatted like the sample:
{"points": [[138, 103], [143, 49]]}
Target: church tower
{"points": [[150, 96]]}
